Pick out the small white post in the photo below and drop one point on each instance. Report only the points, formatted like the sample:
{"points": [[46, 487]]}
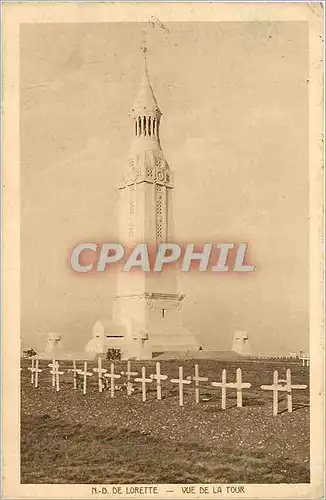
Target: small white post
{"points": [[57, 383], [289, 391], [181, 382], [239, 387], [158, 377], [32, 370], [52, 365], [75, 371], [224, 389], [57, 375], [275, 393], [37, 371], [143, 381], [99, 371]]}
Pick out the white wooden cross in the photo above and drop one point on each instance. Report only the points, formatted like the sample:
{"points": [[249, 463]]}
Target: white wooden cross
{"points": [[144, 381], [197, 379], [99, 371], [112, 376], [85, 374], [75, 372], [223, 385], [37, 370], [276, 387], [239, 385], [129, 374], [55, 374], [158, 377], [289, 388], [32, 370], [181, 383]]}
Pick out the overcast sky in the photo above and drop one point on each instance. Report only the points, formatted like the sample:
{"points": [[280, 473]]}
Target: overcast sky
{"points": [[234, 98]]}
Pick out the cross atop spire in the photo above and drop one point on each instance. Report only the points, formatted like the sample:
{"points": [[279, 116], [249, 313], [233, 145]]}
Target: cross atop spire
{"points": [[144, 51], [144, 48]]}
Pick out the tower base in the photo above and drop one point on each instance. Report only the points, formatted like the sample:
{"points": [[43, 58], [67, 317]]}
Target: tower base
{"points": [[151, 322]]}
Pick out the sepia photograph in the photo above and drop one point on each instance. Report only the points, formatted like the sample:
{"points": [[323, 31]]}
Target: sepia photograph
{"points": [[162, 182]]}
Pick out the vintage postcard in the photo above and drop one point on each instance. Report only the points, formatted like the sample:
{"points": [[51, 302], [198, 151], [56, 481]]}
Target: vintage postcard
{"points": [[162, 182]]}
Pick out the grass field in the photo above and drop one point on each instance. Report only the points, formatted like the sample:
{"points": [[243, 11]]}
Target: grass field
{"points": [[68, 437]]}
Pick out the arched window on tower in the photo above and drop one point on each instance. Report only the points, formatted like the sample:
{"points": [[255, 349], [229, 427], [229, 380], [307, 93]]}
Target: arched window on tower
{"points": [[139, 126], [154, 122], [144, 125], [136, 131], [149, 126]]}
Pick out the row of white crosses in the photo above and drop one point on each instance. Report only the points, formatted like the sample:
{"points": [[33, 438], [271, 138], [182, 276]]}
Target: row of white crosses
{"points": [[159, 377], [283, 385], [277, 386], [238, 385], [103, 373]]}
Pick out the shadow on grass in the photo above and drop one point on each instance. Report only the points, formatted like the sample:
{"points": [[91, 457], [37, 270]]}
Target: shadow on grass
{"points": [[294, 408]]}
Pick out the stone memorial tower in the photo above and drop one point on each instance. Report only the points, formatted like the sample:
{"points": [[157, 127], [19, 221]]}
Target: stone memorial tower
{"points": [[147, 306]]}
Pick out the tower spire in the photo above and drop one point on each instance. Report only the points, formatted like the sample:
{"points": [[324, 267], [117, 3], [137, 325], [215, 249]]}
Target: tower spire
{"points": [[145, 112]]}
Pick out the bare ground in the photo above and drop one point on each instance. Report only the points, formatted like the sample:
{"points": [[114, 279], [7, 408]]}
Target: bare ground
{"points": [[68, 437]]}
